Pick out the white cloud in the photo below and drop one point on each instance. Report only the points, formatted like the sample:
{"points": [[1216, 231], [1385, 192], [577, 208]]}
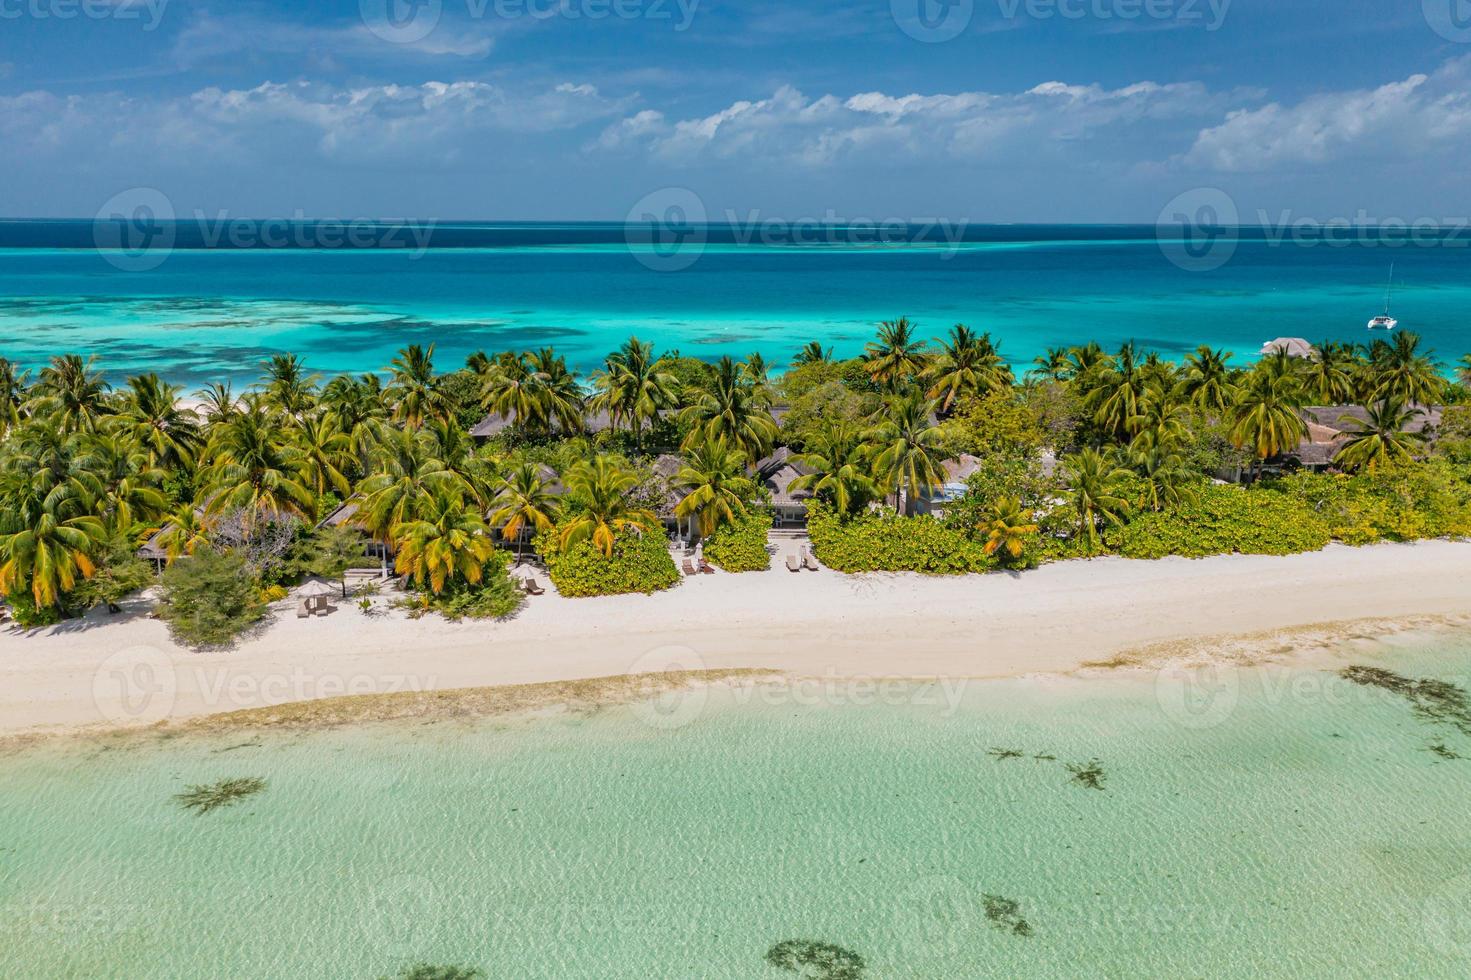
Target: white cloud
{"points": [[1417, 114]]}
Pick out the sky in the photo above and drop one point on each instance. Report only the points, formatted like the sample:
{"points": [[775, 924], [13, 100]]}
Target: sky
{"points": [[848, 110]]}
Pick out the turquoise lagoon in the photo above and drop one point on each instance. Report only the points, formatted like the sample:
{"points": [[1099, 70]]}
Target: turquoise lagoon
{"points": [[206, 313], [1266, 823]]}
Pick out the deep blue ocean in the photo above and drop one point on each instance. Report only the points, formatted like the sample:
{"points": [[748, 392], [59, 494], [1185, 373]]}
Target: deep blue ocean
{"points": [[200, 302]]}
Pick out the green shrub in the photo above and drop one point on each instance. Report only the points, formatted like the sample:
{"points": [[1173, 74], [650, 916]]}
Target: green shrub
{"points": [[210, 598], [639, 563], [741, 547], [28, 615], [874, 543], [1224, 520], [1392, 503], [495, 596]]}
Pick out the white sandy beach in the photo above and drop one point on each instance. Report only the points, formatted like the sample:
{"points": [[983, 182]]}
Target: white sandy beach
{"points": [[118, 671]]}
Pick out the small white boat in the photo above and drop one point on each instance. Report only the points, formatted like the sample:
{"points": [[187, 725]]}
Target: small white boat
{"points": [[1386, 322]]}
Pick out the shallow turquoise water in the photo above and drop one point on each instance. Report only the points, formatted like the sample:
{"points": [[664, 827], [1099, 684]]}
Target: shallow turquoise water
{"points": [[203, 314], [1304, 832]]}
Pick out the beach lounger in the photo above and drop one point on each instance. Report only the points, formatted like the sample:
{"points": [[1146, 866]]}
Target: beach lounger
{"points": [[794, 564], [303, 610], [533, 589], [810, 561], [706, 567], [689, 567]]}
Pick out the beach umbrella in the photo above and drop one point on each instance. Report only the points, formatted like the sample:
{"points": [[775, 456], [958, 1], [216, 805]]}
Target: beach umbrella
{"points": [[315, 589]]}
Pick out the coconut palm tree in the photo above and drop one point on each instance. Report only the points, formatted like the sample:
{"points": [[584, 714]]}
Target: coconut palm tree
{"points": [[1206, 382], [732, 407], [324, 452], [217, 402], [1095, 482], [445, 541], [414, 389], [602, 508], [1265, 419], [634, 388], [1164, 479], [72, 391], [716, 485], [1008, 526], [407, 472], [184, 532], [1053, 365], [907, 453], [49, 556], [124, 484], [13, 395], [1329, 378], [1463, 370], [814, 353], [524, 500], [1382, 438], [356, 408], [289, 387], [150, 416], [256, 469], [1400, 372], [966, 365], [896, 355], [838, 465], [1121, 385], [1086, 360]]}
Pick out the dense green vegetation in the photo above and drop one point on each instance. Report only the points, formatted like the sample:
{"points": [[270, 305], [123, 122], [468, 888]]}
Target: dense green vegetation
{"points": [[93, 466], [740, 546]]}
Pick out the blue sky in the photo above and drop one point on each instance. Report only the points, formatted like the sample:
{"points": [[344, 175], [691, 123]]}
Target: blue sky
{"points": [[1034, 110]]}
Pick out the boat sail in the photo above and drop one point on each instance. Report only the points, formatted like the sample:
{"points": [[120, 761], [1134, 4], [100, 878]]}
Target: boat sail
{"points": [[1386, 322]]}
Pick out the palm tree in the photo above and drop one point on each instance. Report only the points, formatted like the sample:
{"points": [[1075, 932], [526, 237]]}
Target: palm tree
{"points": [[1206, 383], [1085, 360], [445, 541], [814, 353], [1382, 438], [714, 476], [1463, 370], [48, 557], [1266, 419], [324, 453], [216, 402], [839, 467], [731, 407], [524, 500], [150, 416], [1095, 492], [1007, 527], [1329, 376], [603, 509], [1053, 365], [1164, 479], [895, 356], [966, 365], [1400, 372], [908, 455], [407, 473], [1121, 386], [124, 483], [633, 388], [184, 533], [356, 408], [414, 388], [12, 395], [289, 388], [70, 389], [256, 469]]}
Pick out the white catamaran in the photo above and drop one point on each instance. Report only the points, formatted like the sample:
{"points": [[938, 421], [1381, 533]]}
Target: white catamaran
{"points": [[1386, 322]]}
